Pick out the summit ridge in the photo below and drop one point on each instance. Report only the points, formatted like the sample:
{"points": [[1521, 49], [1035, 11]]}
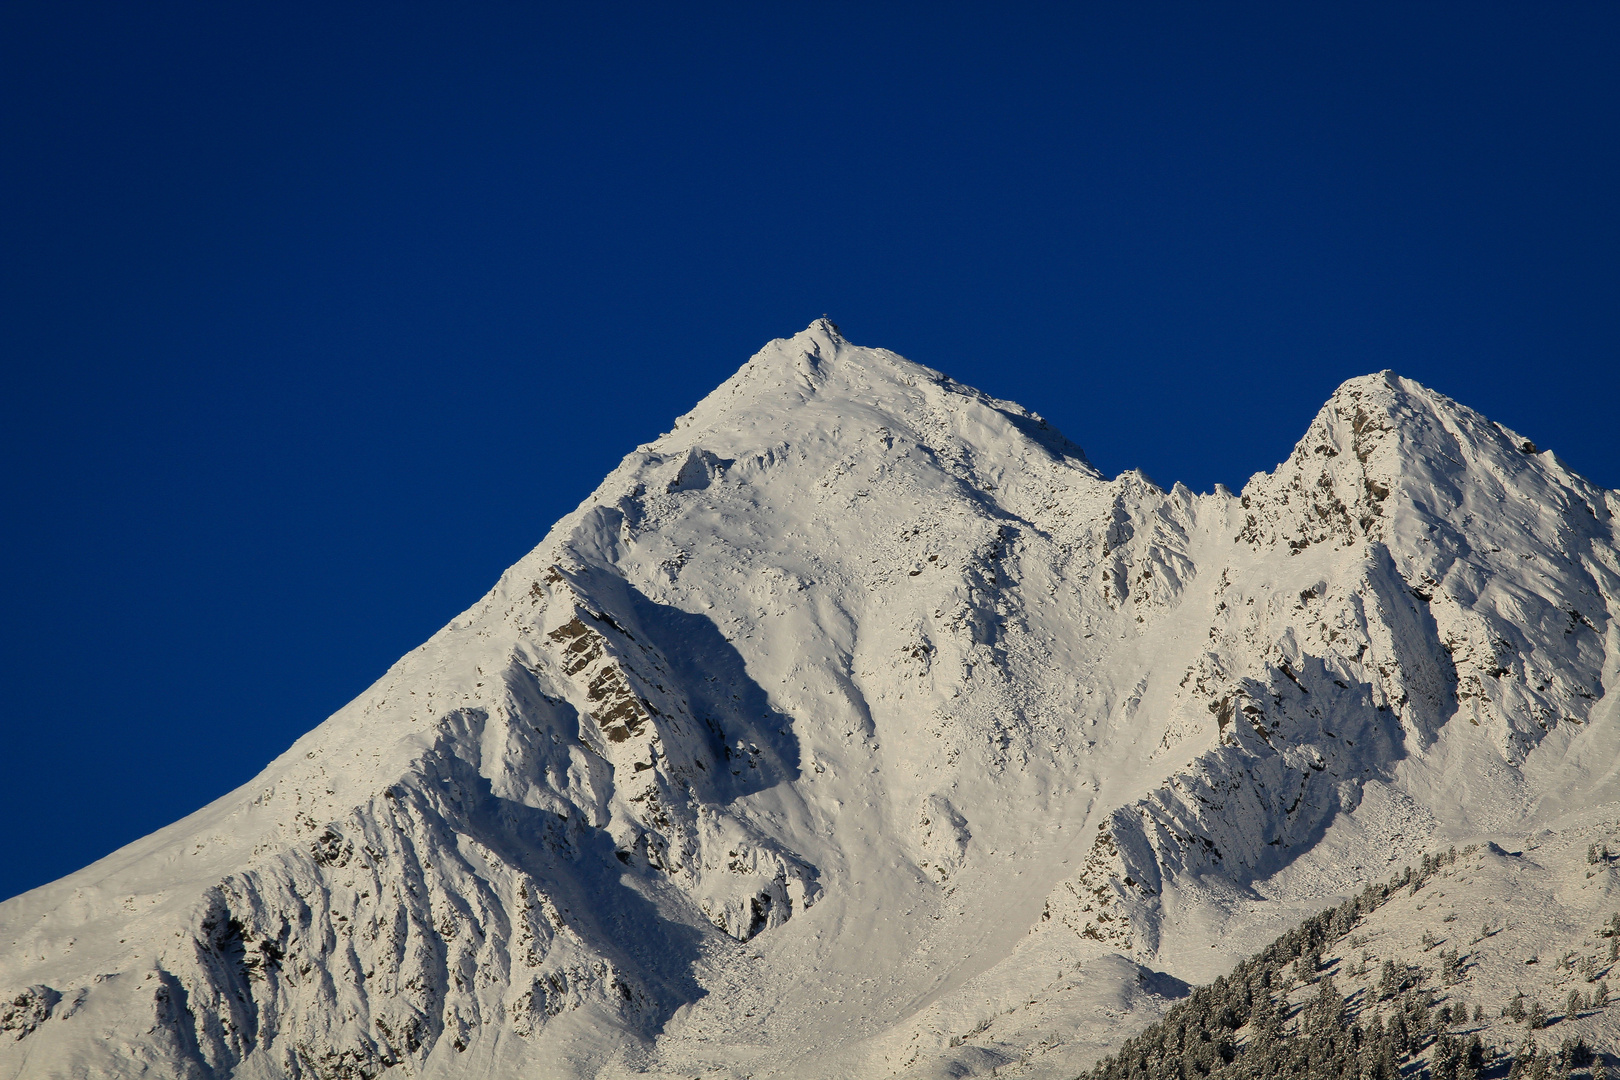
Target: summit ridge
{"points": [[859, 726]]}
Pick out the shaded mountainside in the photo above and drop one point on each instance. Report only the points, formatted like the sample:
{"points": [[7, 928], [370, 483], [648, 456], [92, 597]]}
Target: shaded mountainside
{"points": [[859, 727]]}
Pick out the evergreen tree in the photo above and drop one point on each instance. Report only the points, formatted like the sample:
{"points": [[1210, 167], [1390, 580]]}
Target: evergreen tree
{"points": [[1399, 1036], [1524, 1060], [1576, 1052], [1324, 1015], [1389, 980], [1447, 1060]]}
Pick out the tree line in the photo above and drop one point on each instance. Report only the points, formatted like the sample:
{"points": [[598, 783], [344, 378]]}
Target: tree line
{"points": [[1407, 1037]]}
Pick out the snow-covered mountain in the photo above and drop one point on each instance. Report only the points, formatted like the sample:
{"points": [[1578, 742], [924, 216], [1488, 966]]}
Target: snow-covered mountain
{"points": [[858, 727]]}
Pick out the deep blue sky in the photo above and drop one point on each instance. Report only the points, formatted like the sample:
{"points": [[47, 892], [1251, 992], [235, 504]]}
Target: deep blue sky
{"points": [[315, 320]]}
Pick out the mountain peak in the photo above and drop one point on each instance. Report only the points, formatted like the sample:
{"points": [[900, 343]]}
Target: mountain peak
{"points": [[817, 381], [825, 327], [1382, 446], [817, 343]]}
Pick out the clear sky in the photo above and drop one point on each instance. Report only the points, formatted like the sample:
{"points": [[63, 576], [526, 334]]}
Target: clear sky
{"points": [[316, 317]]}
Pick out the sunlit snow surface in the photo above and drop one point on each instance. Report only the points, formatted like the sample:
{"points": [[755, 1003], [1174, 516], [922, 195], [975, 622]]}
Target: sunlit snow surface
{"points": [[859, 727]]}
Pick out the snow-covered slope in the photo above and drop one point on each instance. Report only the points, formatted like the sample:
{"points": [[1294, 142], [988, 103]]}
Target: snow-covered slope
{"points": [[858, 726]]}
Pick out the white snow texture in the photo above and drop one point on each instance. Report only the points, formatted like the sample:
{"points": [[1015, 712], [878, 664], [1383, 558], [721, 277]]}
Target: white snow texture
{"points": [[859, 727]]}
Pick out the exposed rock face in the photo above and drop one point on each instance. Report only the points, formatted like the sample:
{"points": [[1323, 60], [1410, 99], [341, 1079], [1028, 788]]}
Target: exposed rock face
{"points": [[27, 1010], [859, 726]]}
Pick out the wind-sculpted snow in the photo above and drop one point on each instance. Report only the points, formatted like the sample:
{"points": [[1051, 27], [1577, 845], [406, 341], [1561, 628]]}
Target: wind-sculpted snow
{"points": [[859, 727]]}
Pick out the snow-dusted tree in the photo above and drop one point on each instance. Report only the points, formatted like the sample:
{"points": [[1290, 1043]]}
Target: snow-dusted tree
{"points": [[1527, 1062], [1575, 1051], [1394, 977]]}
